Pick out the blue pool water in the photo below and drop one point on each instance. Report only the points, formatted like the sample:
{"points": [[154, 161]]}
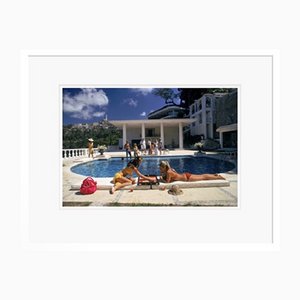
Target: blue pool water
{"points": [[150, 165]]}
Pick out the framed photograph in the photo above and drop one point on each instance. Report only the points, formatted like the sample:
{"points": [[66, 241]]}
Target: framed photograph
{"points": [[161, 146], [148, 150]]}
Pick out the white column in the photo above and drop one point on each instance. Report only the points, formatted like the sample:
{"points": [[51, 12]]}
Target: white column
{"points": [[211, 125], [143, 131], [180, 136], [204, 126], [124, 135], [221, 139], [162, 134]]}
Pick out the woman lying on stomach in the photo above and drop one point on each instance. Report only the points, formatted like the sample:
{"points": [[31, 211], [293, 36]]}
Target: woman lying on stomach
{"points": [[168, 174]]}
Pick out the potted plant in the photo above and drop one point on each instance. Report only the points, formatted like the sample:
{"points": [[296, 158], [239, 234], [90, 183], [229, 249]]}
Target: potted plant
{"points": [[101, 149], [199, 146], [207, 145]]}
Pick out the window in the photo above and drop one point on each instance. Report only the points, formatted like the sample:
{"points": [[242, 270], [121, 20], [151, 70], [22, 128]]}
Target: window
{"points": [[208, 117], [200, 104], [200, 118], [208, 102], [150, 132]]}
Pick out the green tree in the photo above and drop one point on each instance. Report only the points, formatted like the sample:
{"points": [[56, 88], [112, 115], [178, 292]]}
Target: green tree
{"points": [[167, 94], [103, 133], [189, 95]]}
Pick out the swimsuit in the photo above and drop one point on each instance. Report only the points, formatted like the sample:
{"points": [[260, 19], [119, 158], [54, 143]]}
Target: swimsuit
{"points": [[91, 148], [117, 176], [120, 174], [187, 175]]}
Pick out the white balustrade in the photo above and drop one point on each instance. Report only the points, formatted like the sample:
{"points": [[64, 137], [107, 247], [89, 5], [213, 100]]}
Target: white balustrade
{"points": [[72, 153]]}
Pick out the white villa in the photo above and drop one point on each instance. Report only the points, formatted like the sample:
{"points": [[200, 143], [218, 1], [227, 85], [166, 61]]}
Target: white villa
{"points": [[203, 112], [170, 131], [166, 124], [163, 124]]}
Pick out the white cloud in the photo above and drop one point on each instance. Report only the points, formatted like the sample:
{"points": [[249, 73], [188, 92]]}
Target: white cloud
{"points": [[85, 104], [99, 114], [144, 91], [131, 102], [143, 114]]}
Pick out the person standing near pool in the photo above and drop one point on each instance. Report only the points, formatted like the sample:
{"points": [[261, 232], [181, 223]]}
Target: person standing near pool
{"points": [[124, 177], [156, 147], [168, 174], [91, 147], [136, 151], [127, 149], [143, 146], [149, 147], [160, 146]]}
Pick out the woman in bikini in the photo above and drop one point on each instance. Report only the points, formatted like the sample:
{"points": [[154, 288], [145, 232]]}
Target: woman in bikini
{"points": [[91, 147], [124, 177], [169, 174]]}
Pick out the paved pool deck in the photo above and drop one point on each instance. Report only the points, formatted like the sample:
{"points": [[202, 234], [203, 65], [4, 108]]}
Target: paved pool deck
{"points": [[204, 193]]}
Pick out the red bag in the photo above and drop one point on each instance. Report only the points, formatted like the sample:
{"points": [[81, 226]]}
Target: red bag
{"points": [[88, 186]]}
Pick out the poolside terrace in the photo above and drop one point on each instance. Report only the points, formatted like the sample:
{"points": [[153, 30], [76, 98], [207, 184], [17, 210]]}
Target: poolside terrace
{"points": [[202, 193]]}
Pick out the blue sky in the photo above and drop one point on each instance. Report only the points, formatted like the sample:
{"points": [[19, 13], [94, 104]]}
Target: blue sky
{"points": [[87, 105]]}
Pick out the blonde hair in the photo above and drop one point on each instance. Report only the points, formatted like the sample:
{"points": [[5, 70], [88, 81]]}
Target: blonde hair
{"points": [[165, 164]]}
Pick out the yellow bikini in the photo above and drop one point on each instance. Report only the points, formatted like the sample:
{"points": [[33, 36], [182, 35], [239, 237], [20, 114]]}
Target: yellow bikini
{"points": [[123, 173]]}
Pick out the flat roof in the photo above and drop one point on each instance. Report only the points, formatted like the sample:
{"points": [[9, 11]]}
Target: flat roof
{"points": [[184, 121], [166, 109], [230, 127]]}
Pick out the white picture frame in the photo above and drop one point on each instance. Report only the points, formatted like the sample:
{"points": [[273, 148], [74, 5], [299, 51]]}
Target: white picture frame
{"points": [[45, 225]]}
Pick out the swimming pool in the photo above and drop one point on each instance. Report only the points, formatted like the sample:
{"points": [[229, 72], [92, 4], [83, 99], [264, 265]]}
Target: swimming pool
{"points": [[150, 165]]}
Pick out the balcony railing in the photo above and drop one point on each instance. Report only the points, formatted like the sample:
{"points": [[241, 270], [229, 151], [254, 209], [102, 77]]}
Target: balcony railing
{"points": [[72, 153]]}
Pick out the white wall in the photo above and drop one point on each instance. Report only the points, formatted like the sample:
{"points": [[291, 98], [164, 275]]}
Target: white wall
{"points": [[133, 133], [171, 134], [199, 129], [102, 26]]}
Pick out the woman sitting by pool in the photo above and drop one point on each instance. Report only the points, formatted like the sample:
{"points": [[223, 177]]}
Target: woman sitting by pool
{"points": [[169, 174], [124, 177]]}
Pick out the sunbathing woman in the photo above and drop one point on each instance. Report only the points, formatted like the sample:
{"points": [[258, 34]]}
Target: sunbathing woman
{"points": [[169, 175], [124, 177]]}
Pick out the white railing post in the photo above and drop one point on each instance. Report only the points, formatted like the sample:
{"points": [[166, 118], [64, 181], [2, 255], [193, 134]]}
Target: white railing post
{"points": [[74, 153]]}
